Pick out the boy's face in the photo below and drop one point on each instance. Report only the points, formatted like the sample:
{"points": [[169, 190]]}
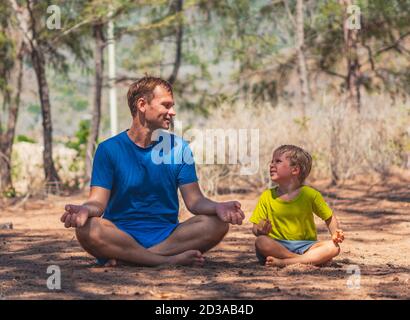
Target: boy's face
{"points": [[281, 170]]}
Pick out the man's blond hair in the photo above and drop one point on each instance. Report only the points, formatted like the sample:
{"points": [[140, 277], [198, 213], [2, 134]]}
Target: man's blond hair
{"points": [[297, 157]]}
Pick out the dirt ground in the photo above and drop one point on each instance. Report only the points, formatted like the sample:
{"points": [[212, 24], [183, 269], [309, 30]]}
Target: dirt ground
{"points": [[375, 218]]}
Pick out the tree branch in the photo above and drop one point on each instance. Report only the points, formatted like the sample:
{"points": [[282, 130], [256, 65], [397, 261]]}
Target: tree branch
{"points": [[292, 19], [394, 45]]}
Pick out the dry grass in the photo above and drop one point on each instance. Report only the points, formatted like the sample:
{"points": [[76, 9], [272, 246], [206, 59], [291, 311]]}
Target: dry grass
{"points": [[347, 142], [369, 142]]}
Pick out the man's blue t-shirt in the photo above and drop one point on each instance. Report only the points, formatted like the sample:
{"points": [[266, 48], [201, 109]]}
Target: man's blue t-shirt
{"points": [[144, 184]]}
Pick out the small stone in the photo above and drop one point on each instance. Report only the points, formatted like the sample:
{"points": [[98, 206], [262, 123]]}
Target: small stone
{"points": [[6, 226], [396, 279]]}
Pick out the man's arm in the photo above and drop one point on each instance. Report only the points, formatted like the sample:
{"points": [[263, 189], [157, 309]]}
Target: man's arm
{"points": [[97, 201], [197, 203], [77, 215]]}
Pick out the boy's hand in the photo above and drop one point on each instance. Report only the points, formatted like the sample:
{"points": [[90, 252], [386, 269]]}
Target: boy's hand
{"points": [[338, 236], [264, 227]]}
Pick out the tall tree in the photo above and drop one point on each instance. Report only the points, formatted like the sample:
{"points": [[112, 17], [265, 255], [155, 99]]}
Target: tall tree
{"points": [[300, 49], [351, 38], [44, 47], [372, 58], [12, 51], [29, 26], [99, 43], [177, 9]]}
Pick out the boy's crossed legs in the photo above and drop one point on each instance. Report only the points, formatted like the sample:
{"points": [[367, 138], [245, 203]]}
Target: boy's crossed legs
{"points": [[277, 255]]}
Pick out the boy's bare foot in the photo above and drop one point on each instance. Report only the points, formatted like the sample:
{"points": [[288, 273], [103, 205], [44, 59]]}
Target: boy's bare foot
{"points": [[273, 262], [190, 257]]}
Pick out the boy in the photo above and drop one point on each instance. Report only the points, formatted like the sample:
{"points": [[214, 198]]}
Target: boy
{"points": [[283, 218]]}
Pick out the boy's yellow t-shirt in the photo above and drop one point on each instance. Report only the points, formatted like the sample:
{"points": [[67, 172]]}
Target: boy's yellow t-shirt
{"points": [[292, 220]]}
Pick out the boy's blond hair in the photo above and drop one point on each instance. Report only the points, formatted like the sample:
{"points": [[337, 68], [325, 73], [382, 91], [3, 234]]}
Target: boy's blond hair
{"points": [[297, 157]]}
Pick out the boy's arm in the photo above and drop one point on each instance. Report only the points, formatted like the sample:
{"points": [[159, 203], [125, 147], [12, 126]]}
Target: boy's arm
{"points": [[332, 224], [262, 228], [334, 229], [255, 229]]}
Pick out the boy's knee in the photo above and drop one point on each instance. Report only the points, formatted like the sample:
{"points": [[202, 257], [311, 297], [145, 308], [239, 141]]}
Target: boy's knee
{"points": [[261, 243], [333, 249]]}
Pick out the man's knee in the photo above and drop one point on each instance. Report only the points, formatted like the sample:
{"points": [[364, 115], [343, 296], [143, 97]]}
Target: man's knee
{"points": [[214, 226], [89, 234]]}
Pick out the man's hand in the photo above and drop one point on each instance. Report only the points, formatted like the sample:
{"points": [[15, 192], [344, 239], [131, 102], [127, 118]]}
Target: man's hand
{"points": [[263, 227], [230, 212], [338, 236], [74, 216]]}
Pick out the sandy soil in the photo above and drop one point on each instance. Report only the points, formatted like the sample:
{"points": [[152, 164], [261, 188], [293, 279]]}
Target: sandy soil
{"points": [[374, 216]]}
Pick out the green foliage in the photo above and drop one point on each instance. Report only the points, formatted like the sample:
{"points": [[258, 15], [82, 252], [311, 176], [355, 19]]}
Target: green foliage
{"points": [[10, 193], [383, 26], [23, 138], [34, 108], [79, 143], [302, 122]]}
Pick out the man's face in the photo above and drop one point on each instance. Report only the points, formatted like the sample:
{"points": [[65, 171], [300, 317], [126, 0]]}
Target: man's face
{"points": [[280, 168], [160, 110]]}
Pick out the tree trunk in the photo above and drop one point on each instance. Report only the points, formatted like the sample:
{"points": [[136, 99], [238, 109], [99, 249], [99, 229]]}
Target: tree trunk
{"points": [[335, 122], [24, 15], [51, 176], [96, 114], [111, 75], [300, 46], [178, 7], [7, 138], [351, 38]]}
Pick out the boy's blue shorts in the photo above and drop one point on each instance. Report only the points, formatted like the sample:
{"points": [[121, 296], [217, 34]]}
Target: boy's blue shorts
{"points": [[295, 246]]}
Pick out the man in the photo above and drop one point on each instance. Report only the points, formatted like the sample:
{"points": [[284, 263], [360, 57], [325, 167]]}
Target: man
{"points": [[139, 196]]}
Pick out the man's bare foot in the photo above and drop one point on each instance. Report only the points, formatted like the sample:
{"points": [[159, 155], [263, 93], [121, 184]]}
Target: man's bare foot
{"points": [[274, 262], [190, 257], [110, 263]]}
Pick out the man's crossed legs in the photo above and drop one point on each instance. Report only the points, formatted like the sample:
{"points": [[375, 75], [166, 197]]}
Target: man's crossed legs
{"points": [[185, 245]]}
